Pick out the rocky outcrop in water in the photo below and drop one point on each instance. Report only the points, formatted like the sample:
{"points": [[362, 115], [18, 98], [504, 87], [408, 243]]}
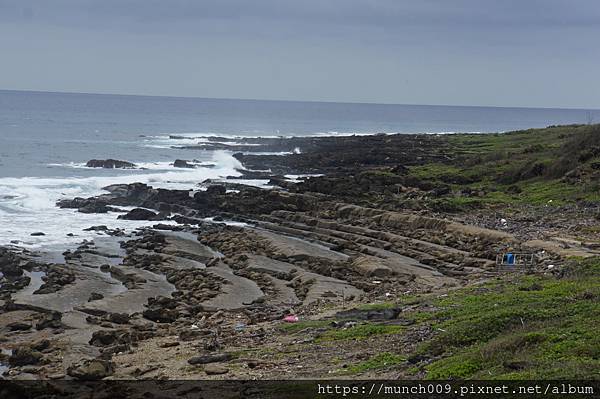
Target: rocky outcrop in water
{"points": [[109, 164]]}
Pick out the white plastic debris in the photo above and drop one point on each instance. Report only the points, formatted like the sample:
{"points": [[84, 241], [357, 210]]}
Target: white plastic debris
{"points": [[550, 266]]}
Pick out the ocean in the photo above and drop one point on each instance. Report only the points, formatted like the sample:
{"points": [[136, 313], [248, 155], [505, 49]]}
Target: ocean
{"points": [[46, 139]]}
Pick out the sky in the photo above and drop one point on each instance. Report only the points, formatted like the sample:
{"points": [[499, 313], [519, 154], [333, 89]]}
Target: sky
{"points": [[533, 53]]}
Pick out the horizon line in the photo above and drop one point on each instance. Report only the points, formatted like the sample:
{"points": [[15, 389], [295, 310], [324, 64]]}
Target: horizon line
{"points": [[287, 100]]}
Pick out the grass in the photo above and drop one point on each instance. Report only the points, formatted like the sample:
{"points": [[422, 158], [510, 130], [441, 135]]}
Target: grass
{"points": [[528, 328], [523, 167], [377, 362], [302, 325], [360, 332]]}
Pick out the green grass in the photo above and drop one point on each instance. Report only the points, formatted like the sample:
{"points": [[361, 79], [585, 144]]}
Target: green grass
{"points": [[302, 325], [528, 328], [360, 332], [523, 167], [377, 362]]}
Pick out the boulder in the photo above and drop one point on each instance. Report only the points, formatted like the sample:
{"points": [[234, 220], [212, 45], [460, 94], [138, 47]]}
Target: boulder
{"points": [[91, 369], [213, 358], [140, 214], [95, 296], [215, 369], [109, 164], [49, 320], [182, 163], [161, 315], [18, 326], [118, 318], [23, 356]]}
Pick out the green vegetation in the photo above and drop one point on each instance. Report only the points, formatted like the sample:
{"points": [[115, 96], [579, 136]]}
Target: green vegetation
{"points": [[548, 166], [301, 325], [379, 361], [359, 332], [532, 327]]}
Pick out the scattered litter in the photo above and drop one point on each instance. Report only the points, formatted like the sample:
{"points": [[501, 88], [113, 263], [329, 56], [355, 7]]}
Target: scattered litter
{"points": [[376, 282], [240, 326], [194, 327], [550, 266], [388, 294], [291, 318]]}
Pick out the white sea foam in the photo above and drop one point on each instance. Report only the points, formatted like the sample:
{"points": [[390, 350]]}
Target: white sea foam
{"points": [[28, 205]]}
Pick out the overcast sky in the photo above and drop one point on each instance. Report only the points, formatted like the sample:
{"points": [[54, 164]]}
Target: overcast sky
{"points": [[463, 52]]}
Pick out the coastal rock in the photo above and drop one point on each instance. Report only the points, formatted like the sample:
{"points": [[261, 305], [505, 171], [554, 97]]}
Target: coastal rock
{"points": [[182, 163], [215, 369], [109, 164], [49, 320], [104, 338], [23, 356], [204, 359], [161, 315], [140, 214], [9, 265], [91, 369], [216, 189], [18, 326], [95, 296]]}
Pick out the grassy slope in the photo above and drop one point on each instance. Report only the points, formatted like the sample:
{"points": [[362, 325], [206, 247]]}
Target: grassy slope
{"points": [[523, 167], [529, 327], [514, 327]]}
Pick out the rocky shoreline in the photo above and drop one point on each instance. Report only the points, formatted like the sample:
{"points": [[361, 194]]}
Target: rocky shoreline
{"points": [[205, 295]]}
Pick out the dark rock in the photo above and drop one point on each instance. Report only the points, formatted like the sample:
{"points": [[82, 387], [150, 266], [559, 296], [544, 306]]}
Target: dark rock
{"points": [[18, 326], [49, 320], [22, 356], [216, 189], [160, 315], [108, 337], [214, 369], [169, 344], [41, 345], [109, 164], [95, 207], [96, 228], [379, 314], [118, 318], [91, 369], [182, 163], [9, 265], [140, 214], [213, 358], [94, 296]]}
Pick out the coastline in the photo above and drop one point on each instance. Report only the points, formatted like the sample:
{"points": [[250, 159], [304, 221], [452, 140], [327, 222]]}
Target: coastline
{"points": [[357, 251]]}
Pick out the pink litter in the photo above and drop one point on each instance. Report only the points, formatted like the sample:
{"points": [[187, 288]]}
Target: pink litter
{"points": [[291, 318]]}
